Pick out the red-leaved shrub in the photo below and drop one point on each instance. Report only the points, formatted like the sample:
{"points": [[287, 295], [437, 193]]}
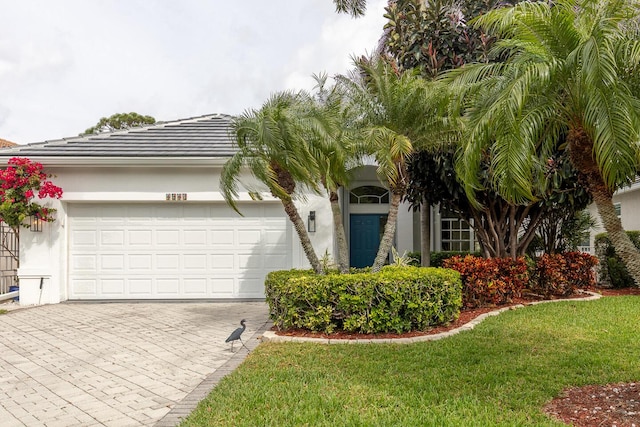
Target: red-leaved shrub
{"points": [[562, 274], [489, 281]]}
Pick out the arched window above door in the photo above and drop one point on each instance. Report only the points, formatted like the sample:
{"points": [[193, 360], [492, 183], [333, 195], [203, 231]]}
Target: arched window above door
{"points": [[369, 194]]}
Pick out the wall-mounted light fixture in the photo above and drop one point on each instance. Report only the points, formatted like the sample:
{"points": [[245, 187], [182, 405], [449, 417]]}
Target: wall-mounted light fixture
{"points": [[311, 222], [35, 224]]}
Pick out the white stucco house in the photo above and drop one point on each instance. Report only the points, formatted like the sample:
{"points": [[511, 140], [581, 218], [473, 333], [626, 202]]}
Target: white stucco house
{"points": [[142, 218]]}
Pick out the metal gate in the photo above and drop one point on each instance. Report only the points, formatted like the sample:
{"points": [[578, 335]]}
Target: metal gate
{"points": [[9, 255]]}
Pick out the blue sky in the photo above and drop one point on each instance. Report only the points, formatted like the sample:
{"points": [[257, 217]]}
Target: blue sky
{"points": [[66, 63]]}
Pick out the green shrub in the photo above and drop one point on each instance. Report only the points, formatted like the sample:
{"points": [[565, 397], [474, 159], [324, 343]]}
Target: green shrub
{"points": [[612, 270], [397, 299], [437, 258], [415, 258], [489, 281], [562, 274]]}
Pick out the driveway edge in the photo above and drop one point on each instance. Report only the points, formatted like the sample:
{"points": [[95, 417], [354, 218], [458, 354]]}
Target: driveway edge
{"points": [[182, 409]]}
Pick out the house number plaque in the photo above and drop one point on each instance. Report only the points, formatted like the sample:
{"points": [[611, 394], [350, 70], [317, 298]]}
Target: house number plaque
{"points": [[176, 196]]}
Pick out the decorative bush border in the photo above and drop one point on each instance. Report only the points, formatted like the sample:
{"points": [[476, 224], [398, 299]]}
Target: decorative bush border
{"points": [[271, 336]]}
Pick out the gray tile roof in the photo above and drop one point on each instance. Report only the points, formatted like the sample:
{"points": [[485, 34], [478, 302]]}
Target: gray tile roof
{"points": [[205, 137]]}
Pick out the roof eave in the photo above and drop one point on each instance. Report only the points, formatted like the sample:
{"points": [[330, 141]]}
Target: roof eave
{"points": [[57, 161]]}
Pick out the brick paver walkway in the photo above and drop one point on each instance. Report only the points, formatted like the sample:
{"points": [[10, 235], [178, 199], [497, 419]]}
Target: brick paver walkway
{"points": [[116, 364]]}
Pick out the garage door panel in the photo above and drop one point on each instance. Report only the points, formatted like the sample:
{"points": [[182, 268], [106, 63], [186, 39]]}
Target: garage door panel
{"points": [[195, 237], [195, 262], [168, 286], [168, 237], [250, 286], [84, 237], [277, 262], [87, 263], [113, 287], [114, 262], [84, 287], [158, 251], [140, 237], [222, 237], [195, 287], [223, 286], [249, 237], [168, 262], [222, 262], [140, 287], [112, 237], [140, 262]]}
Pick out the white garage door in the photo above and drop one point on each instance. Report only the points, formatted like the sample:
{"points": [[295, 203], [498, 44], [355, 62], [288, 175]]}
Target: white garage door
{"points": [[174, 251]]}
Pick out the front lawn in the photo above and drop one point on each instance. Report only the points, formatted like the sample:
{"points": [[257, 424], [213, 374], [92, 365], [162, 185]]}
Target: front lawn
{"points": [[500, 373]]}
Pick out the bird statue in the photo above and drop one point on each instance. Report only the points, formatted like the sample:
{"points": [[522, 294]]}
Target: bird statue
{"points": [[235, 335]]}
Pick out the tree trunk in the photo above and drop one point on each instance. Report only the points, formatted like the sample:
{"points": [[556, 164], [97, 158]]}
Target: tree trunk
{"points": [[619, 239], [425, 234], [581, 154], [389, 232], [341, 237], [301, 229]]}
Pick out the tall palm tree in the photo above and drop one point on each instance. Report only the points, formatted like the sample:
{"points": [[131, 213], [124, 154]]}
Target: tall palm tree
{"points": [[396, 112], [271, 146], [563, 76], [335, 153]]}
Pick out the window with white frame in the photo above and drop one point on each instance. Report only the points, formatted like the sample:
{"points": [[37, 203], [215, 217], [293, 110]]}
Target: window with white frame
{"points": [[455, 234], [369, 194]]}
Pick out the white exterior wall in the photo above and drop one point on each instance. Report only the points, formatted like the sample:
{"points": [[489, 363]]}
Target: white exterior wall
{"points": [[44, 255]]}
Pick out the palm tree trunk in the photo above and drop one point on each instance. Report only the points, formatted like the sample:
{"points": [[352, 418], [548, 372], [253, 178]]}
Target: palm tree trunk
{"points": [[389, 231], [425, 234], [341, 237], [581, 151], [619, 238], [301, 229]]}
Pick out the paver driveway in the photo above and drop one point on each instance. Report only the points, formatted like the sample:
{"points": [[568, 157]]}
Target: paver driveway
{"points": [[116, 364]]}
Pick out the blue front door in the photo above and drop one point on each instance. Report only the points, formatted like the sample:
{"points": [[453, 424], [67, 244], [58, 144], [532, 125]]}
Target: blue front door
{"points": [[365, 232]]}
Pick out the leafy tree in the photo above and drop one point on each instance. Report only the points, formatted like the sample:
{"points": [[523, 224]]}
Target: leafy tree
{"points": [[20, 183], [119, 121], [502, 228], [271, 146], [563, 76], [433, 35]]}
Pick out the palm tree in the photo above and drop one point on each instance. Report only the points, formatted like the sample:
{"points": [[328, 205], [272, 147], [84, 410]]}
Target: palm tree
{"points": [[335, 154], [395, 113], [354, 8], [563, 78], [271, 146]]}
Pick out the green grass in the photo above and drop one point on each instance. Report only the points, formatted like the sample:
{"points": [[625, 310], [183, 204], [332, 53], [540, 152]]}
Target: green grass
{"points": [[3, 311], [501, 373]]}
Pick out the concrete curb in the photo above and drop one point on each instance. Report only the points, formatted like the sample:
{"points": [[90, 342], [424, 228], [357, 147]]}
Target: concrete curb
{"points": [[271, 336], [183, 408]]}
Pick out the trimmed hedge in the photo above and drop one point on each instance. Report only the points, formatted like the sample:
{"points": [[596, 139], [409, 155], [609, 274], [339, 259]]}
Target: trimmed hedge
{"points": [[562, 274], [397, 299], [612, 270], [490, 281]]}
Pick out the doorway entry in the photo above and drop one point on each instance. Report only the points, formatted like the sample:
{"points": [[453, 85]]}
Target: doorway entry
{"points": [[365, 234]]}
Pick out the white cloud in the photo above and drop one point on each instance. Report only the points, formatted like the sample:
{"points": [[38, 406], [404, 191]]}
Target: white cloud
{"points": [[65, 64]]}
